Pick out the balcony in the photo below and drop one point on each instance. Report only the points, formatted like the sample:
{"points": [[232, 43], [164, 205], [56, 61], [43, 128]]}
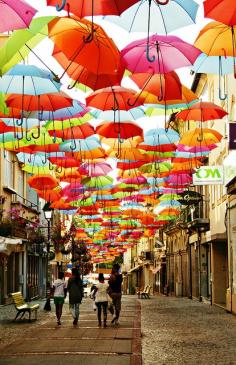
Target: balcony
{"points": [[198, 219]]}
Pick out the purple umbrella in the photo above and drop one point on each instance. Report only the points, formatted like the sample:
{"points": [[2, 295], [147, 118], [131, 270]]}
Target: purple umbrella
{"points": [[15, 15], [161, 55]]}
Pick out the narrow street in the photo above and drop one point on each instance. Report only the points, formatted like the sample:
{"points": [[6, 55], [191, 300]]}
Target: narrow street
{"points": [[174, 331], [83, 345]]}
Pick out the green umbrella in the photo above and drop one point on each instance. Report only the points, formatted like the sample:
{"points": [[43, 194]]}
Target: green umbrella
{"points": [[156, 167], [82, 203], [68, 123], [22, 41], [169, 197], [97, 182]]}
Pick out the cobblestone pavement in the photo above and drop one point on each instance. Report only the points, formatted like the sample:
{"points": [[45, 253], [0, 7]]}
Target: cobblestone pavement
{"points": [[11, 331], [182, 331], [44, 342]]}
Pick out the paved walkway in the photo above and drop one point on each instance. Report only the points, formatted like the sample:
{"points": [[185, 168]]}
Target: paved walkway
{"points": [[175, 331], [179, 331], [86, 344]]}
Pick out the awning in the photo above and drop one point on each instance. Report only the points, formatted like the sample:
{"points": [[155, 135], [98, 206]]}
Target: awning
{"points": [[9, 245], [134, 268]]}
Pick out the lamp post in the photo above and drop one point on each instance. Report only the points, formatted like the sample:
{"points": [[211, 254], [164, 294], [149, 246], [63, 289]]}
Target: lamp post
{"points": [[48, 212]]}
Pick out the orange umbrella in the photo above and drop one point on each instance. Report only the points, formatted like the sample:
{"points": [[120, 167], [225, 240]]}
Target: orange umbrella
{"points": [[114, 98], [202, 111], [49, 195], [163, 86], [201, 137], [43, 182], [73, 38], [121, 130]]}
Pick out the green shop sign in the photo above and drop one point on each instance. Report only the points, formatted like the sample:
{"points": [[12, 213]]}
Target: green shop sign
{"points": [[209, 175]]}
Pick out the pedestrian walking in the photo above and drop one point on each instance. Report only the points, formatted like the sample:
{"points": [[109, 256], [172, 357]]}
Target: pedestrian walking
{"points": [[47, 306], [59, 294], [101, 300], [114, 290], [75, 289]]}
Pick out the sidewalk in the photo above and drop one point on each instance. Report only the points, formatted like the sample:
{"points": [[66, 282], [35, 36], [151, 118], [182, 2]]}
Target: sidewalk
{"points": [[180, 331], [83, 345]]}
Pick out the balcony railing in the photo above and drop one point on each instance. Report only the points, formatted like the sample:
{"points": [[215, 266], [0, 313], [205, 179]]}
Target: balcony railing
{"points": [[16, 198]]}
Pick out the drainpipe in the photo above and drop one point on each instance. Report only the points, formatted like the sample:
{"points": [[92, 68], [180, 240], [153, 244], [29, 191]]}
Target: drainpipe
{"points": [[190, 271], [231, 276], [199, 265]]}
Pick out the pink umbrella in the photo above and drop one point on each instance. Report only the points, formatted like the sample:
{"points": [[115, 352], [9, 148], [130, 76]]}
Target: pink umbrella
{"points": [[168, 52], [95, 169], [195, 149], [15, 15], [139, 180], [180, 179]]}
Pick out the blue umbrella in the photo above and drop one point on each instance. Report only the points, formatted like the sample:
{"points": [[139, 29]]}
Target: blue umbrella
{"points": [[162, 18], [219, 65], [79, 145], [121, 115], [28, 80]]}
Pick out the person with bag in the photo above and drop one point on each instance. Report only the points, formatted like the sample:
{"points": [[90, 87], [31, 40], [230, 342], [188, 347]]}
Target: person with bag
{"points": [[75, 289], [115, 284], [101, 300], [59, 294]]}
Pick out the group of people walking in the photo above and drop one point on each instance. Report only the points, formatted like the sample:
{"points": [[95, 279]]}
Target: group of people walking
{"points": [[101, 294]]}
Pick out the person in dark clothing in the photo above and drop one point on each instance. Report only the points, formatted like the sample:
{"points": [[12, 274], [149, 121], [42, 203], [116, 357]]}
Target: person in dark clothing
{"points": [[115, 286], [75, 289]]}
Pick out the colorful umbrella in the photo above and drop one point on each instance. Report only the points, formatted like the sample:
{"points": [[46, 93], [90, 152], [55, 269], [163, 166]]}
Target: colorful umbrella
{"points": [[15, 15], [121, 130], [73, 38], [223, 11], [157, 16], [202, 112], [114, 98], [83, 8], [169, 52]]}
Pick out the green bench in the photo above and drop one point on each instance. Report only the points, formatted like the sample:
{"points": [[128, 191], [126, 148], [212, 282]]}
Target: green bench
{"points": [[22, 307]]}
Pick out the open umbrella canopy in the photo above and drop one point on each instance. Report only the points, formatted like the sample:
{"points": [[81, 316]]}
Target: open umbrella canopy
{"points": [[223, 11], [20, 43], [202, 111], [29, 80], [83, 8], [158, 16], [122, 130], [15, 15], [168, 52], [72, 37]]}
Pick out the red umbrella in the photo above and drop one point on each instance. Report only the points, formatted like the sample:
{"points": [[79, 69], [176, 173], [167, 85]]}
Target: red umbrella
{"points": [[223, 11], [114, 98], [121, 130], [164, 86], [78, 132], [42, 182], [202, 112], [84, 76], [83, 8], [39, 102]]}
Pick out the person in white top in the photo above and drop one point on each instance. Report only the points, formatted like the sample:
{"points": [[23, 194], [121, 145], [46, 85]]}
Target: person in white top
{"points": [[101, 300], [59, 293]]}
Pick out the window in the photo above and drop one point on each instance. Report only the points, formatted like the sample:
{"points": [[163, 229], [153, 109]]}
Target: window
{"points": [[8, 176]]}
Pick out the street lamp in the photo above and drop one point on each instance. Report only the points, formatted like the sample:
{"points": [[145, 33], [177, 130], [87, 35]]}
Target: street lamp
{"points": [[48, 211]]}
